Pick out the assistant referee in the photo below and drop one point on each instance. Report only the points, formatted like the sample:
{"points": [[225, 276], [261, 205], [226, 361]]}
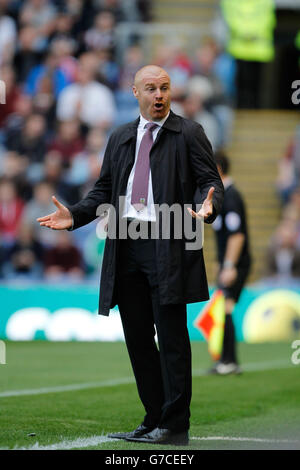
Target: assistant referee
{"points": [[234, 261]]}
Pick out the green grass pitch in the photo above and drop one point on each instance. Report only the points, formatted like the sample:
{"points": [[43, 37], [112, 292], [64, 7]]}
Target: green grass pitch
{"points": [[259, 409]]}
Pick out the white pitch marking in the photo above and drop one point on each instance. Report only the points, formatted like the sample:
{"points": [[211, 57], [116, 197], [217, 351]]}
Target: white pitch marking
{"points": [[66, 388], [245, 439], [80, 442], [262, 366], [83, 442]]}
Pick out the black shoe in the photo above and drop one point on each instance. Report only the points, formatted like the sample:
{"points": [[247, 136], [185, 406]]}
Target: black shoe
{"points": [[139, 431], [162, 436]]}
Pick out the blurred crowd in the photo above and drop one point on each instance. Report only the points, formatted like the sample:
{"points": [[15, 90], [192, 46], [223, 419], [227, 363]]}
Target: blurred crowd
{"points": [[283, 254], [66, 90]]}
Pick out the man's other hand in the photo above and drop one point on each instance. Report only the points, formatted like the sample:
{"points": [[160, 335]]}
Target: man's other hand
{"points": [[207, 206], [59, 220]]}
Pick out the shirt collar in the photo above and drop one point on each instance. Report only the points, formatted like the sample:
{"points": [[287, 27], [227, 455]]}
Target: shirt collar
{"points": [[227, 181], [144, 121]]}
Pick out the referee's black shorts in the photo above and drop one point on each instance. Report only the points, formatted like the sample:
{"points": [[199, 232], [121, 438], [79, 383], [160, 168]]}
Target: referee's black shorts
{"points": [[234, 291]]}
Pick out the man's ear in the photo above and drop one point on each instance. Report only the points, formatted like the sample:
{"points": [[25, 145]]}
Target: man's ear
{"points": [[135, 91]]}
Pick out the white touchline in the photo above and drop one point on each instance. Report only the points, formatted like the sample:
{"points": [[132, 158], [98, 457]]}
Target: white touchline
{"points": [[260, 366], [78, 443], [67, 388], [245, 439], [92, 441]]}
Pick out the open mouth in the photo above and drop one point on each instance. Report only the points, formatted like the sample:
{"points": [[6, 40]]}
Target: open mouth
{"points": [[158, 106]]}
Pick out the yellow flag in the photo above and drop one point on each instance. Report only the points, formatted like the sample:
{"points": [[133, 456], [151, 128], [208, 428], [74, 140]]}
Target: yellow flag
{"points": [[211, 323]]}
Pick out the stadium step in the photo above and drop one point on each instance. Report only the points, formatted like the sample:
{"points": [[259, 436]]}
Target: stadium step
{"points": [[191, 11], [259, 140]]}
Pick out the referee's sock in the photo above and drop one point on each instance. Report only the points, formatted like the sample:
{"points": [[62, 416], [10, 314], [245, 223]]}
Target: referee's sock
{"points": [[229, 346]]}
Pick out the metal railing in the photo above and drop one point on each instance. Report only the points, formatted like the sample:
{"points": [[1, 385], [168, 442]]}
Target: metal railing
{"points": [[151, 35]]}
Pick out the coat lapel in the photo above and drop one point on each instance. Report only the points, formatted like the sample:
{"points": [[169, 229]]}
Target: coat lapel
{"points": [[128, 141], [173, 124], [130, 131]]}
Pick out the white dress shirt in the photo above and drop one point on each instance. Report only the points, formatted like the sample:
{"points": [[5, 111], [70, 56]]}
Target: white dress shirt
{"points": [[148, 212]]}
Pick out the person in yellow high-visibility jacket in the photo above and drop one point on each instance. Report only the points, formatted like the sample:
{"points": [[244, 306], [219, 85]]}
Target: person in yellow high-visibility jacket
{"points": [[250, 26]]}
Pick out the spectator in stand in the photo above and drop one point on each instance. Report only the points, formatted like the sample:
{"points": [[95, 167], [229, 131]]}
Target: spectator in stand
{"points": [[291, 213], [192, 108], [14, 167], [15, 120], [224, 68], [132, 62], [28, 52], [127, 106], [108, 70], [41, 201], [11, 208], [86, 165], [53, 172], [40, 14], [11, 166], [87, 100], [201, 85], [218, 102], [63, 261], [295, 200], [94, 165], [24, 258], [2, 155], [48, 75], [206, 56], [81, 176], [288, 178], [68, 141], [283, 255], [63, 49], [82, 13], [101, 35], [2, 258], [293, 210], [178, 65], [8, 35], [12, 93], [119, 8], [64, 26], [30, 141]]}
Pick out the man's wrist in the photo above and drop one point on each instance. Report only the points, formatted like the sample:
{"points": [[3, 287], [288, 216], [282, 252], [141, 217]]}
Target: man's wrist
{"points": [[71, 228], [228, 264]]}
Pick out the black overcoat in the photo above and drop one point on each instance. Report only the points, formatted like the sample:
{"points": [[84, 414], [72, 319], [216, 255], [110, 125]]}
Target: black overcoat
{"points": [[182, 166]]}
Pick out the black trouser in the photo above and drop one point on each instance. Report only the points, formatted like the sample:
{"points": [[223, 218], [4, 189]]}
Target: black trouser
{"points": [[248, 84], [163, 376]]}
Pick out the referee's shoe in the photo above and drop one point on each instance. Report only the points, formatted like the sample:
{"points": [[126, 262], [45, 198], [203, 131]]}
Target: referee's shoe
{"points": [[225, 368]]}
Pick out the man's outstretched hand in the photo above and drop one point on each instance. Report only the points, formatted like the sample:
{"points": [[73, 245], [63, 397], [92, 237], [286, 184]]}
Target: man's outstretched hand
{"points": [[207, 206], [59, 220]]}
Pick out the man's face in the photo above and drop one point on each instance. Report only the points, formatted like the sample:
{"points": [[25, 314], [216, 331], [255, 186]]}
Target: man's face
{"points": [[153, 93]]}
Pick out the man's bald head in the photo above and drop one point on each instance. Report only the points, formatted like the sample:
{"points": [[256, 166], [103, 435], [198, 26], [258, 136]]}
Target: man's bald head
{"points": [[149, 71], [152, 90]]}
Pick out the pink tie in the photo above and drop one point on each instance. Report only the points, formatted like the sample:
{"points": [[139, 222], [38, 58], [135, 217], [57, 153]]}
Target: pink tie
{"points": [[140, 184]]}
